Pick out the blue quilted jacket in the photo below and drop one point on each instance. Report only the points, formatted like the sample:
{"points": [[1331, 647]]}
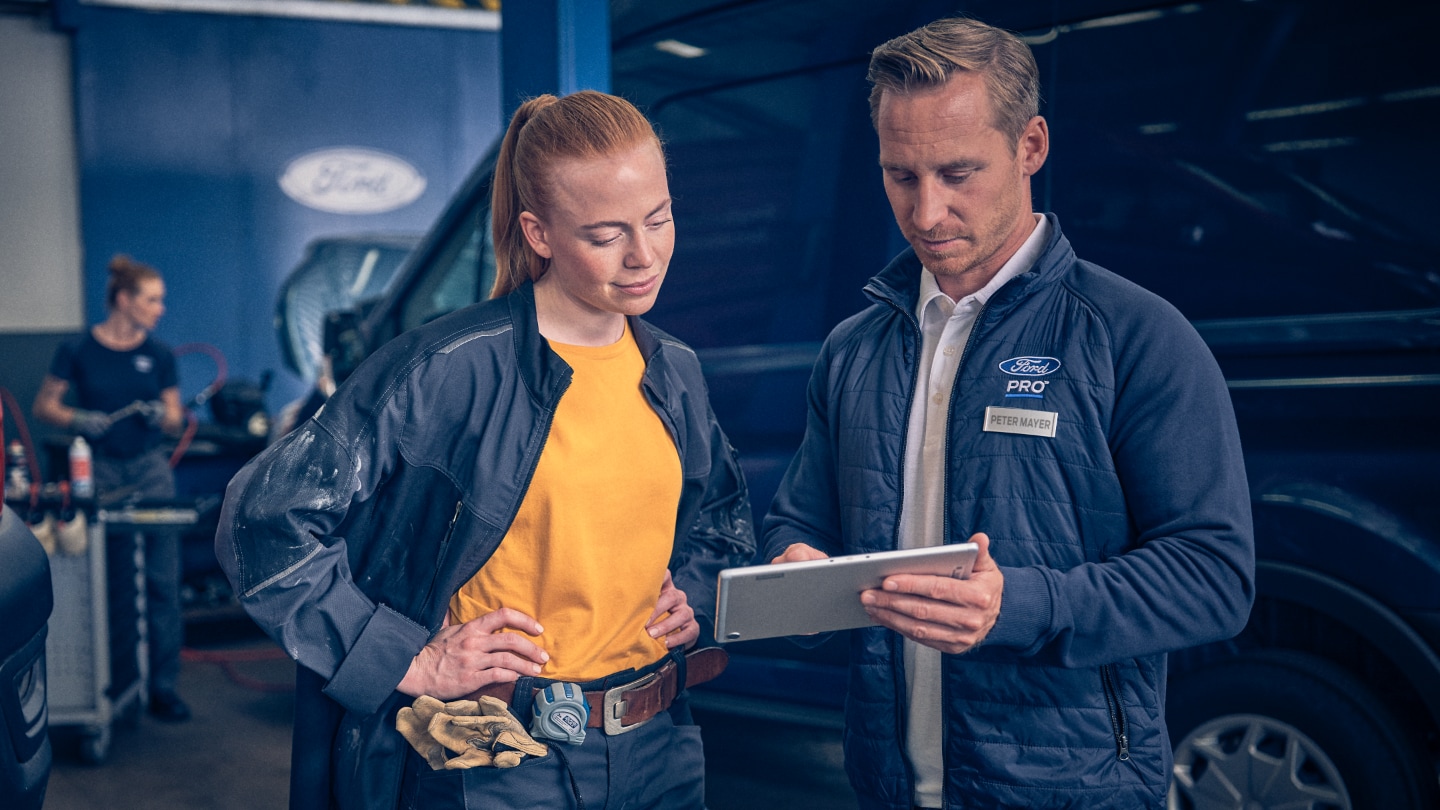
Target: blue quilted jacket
{"points": [[1125, 535]]}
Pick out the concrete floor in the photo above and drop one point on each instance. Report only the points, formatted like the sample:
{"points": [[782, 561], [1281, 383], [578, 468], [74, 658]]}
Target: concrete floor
{"points": [[234, 754]]}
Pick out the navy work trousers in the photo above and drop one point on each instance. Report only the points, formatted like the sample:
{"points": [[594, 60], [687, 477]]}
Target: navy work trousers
{"points": [[149, 476], [658, 766]]}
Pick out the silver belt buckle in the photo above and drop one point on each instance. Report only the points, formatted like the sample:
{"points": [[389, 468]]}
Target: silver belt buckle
{"points": [[614, 707]]}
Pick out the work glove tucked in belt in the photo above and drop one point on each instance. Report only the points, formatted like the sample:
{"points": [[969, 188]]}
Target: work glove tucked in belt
{"points": [[481, 733]]}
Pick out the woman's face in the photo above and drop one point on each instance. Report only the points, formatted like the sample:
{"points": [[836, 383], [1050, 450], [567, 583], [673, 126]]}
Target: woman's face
{"points": [[609, 234], [143, 307]]}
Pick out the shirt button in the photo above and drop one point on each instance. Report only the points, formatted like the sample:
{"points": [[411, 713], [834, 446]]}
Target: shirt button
{"points": [[949, 351], [936, 399]]}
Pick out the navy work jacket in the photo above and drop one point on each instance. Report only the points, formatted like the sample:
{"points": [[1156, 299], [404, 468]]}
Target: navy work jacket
{"points": [[346, 540]]}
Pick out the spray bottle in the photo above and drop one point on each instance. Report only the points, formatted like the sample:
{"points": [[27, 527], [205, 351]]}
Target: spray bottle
{"points": [[82, 480]]}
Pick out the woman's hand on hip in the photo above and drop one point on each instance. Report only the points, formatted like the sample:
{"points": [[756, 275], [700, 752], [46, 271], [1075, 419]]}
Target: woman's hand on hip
{"points": [[462, 658], [673, 617]]}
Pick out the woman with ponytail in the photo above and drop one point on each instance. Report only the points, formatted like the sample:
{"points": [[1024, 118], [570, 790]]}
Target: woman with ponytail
{"points": [[516, 512], [127, 397]]}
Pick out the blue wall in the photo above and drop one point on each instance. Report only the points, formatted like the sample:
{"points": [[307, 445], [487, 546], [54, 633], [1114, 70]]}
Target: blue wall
{"points": [[186, 122]]}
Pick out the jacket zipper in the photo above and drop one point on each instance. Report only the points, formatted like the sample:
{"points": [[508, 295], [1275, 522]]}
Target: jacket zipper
{"points": [[909, 406], [1117, 713], [549, 420], [661, 408], [945, 520], [444, 549], [1111, 682], [898, 650], [950, 418], [460, 504]]}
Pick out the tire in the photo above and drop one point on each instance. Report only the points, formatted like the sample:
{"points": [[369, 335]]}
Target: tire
{"points": [[1282, 728]]}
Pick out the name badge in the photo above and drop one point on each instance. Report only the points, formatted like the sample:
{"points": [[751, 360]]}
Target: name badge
{"points": [[1020, 420]]}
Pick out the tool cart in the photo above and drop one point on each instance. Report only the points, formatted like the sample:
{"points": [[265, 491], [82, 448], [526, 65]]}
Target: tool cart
{"points": [[96, 648]]}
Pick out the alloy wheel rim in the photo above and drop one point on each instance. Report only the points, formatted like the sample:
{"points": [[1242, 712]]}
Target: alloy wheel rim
{"points": [[1248, 762]]}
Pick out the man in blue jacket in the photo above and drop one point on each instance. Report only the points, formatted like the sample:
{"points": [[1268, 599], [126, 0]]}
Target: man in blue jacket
{"points": [[1073, 425]]}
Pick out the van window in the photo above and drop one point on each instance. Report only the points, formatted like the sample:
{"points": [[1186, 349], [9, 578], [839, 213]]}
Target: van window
{"points": [[763, 173], [1231, 158], [462, 273]]}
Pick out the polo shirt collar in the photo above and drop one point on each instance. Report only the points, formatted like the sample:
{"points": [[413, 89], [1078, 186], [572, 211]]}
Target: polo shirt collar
{"points": [[1020, 262]]}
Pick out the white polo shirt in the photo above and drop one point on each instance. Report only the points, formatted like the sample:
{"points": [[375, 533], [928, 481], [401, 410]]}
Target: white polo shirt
{"points": [[945, 327]]}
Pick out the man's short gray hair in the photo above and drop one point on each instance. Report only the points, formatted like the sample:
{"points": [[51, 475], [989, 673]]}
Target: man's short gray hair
{"points": [[931, 55]]}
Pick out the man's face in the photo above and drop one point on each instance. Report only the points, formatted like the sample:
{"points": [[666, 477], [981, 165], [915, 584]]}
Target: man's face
{"points": [[959, 189]]}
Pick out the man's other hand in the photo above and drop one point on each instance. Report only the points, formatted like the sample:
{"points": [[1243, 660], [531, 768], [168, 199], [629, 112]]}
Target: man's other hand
{"points": [[799, 552]]}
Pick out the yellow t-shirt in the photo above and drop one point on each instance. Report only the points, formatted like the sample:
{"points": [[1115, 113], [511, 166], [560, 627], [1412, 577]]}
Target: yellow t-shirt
{"points": [[587, 553]]}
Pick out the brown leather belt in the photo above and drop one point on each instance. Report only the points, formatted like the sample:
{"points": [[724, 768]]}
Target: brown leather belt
{"points": [[630, 705]]}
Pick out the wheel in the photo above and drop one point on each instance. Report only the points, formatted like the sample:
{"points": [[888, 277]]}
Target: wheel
{"points": [[1288, 729], [95, 745]]}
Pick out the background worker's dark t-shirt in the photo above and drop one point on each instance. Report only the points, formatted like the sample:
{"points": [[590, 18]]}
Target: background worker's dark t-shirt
{"points": [[106, 380]]}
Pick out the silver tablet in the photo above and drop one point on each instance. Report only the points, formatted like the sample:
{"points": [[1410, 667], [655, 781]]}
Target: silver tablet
{"points": [[817, 596]]}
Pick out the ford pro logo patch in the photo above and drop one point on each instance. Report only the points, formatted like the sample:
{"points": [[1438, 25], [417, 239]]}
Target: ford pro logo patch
{"points": [[1030, 366], [351, 181]]}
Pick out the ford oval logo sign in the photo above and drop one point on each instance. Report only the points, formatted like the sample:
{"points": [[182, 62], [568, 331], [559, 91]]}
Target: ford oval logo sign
{"points": [[349, 180], [1030, 366]]}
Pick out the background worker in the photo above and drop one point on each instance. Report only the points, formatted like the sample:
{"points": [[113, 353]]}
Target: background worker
{"points": [[126, 398], [1075, 426]]}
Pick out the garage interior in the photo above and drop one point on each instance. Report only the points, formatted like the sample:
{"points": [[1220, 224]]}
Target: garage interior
{"points": [[1264, 165]]}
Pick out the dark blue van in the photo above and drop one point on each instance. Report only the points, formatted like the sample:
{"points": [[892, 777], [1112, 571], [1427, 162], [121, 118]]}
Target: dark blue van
{"points": [[1266, 165], [26, 599]]}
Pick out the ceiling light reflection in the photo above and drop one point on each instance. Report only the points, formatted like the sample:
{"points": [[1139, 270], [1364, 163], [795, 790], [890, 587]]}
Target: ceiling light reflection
{"points": [[684, 50]]}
